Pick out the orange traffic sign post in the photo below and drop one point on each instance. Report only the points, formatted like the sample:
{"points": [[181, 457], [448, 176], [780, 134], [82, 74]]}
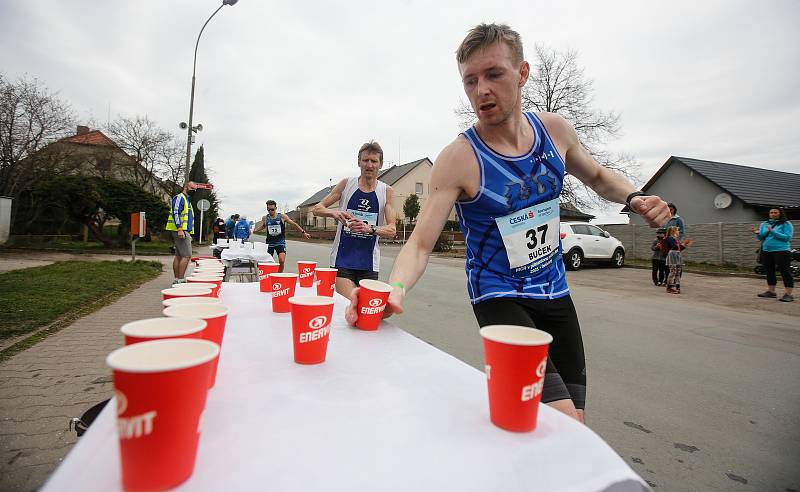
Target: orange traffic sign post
{"points": [[138, 230]]}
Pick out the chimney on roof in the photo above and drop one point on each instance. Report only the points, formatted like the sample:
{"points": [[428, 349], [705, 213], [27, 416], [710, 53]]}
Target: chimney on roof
{"points": [[82, 130]]}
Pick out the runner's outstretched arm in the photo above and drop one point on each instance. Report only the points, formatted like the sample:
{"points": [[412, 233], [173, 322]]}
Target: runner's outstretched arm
{"points": [[602, 180], [412, 260], [296, 226], [321, 209]]}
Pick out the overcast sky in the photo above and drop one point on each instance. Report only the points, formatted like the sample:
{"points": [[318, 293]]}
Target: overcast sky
{"points": [[288, 91]]}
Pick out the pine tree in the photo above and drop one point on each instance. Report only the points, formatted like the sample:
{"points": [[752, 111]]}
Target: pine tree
{"points": [[198, 175]]}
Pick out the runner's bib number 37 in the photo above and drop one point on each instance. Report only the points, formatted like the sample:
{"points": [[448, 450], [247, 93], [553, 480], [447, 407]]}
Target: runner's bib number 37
{"points": [[531, 237]]}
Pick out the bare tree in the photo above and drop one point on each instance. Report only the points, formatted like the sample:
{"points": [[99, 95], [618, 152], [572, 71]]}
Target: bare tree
{"points": [[31, 117], [172, 162], [144, 140], [558, 85]]}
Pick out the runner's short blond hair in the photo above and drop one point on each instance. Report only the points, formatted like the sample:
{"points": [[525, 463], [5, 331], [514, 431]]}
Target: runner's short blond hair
{"points": [[483, 35]]}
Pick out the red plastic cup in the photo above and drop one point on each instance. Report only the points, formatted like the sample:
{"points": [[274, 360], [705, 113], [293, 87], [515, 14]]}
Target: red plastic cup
{"points": [[305, 270], [326, 284], [215, 316], [181, 301], [206, 279], [200, 259], [311, 320], [161, 388], [215, 278], [264, 269], [209, 275], [190, 284], [516, 361], [282, 287], [185, 292], [372, 298], [147, 330]]}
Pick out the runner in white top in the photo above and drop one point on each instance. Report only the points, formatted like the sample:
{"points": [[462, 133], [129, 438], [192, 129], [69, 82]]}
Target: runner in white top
{"points": [[365, 213]]}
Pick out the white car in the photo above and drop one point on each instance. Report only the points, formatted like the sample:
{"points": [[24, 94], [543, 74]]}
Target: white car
{"points": [[582, 242]]}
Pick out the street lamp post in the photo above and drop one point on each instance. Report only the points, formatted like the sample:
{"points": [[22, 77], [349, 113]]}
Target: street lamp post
{"points": [[189, 128]]}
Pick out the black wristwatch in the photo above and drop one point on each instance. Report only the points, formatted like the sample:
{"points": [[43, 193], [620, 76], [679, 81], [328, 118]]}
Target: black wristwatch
{"points": [[373, 229], [632, 196]]}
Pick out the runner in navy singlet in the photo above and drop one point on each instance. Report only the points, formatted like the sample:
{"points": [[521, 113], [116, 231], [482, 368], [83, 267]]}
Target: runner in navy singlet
{"points": [[504, 176], [365, 213], [274, 223]]}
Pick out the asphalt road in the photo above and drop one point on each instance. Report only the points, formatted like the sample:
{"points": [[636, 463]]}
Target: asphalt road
{"points": [[696, 392]]}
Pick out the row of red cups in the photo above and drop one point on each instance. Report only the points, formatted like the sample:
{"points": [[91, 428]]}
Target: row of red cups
{"points": [[372, 298], [161, 381]]}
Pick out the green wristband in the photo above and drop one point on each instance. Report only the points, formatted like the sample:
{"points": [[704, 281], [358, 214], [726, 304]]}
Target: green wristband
{"points": [[399, 284]]}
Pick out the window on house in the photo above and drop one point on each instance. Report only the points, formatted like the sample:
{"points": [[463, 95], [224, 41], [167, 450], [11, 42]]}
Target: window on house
{"points": [[103, 164], [419, 189]]}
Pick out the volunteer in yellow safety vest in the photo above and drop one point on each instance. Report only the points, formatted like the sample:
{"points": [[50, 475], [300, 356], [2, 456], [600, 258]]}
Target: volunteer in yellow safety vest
{"points": [[180, 223]]}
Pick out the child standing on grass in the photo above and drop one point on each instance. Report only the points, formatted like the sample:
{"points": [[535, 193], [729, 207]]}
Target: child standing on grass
{"points": [[674, 259]]}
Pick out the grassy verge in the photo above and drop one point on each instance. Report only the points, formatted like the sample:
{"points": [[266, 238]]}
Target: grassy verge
{"points": [[53, 296], [144, 248], [697, 267]]}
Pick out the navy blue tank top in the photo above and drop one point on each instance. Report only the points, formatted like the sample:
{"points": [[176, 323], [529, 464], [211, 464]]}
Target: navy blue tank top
{"points": [[354, 250], [276, 230]]}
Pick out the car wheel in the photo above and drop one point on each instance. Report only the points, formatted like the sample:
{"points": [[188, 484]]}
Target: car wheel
{"points": [[618, 259], [574, 259]]}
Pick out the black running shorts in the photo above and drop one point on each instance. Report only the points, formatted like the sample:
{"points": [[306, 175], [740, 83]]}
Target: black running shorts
{"points": [[566, 366], [356, 276], [276, 248]]}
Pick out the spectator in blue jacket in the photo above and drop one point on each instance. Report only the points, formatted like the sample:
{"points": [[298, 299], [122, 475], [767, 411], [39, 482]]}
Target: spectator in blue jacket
{"points": [[775, 235], [676, 221], [242, 229], [230, 225]]}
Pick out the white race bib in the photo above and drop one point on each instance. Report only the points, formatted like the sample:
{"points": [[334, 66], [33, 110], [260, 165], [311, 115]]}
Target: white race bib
{"points": [[274, 230], [531, 237], [371, 218]]}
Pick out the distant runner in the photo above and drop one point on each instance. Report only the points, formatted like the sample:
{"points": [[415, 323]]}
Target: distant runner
{"points": [[275, 225]]}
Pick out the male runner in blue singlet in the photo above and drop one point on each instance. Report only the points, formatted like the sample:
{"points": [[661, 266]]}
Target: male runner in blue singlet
{"points": [[275, 225], [365, 213], [504, 176]]}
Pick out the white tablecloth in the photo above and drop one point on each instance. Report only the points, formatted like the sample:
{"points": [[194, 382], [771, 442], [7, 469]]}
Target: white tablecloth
{"points": [[231, 254], [385, 412]]}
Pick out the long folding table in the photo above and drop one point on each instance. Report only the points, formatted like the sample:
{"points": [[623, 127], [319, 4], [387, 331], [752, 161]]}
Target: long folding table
{"points": [[385, 412]]}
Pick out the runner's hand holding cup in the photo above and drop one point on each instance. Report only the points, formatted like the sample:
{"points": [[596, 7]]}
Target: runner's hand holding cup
{"points": [[394, 305]]}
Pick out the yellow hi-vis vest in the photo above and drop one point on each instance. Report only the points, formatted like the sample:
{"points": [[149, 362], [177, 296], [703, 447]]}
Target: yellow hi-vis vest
{"points": [[181, 214]]}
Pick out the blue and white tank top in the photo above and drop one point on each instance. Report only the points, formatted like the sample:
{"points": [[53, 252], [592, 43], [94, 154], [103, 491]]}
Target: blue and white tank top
{"points": [[353, 250], [276, 230], [511, 226]]}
